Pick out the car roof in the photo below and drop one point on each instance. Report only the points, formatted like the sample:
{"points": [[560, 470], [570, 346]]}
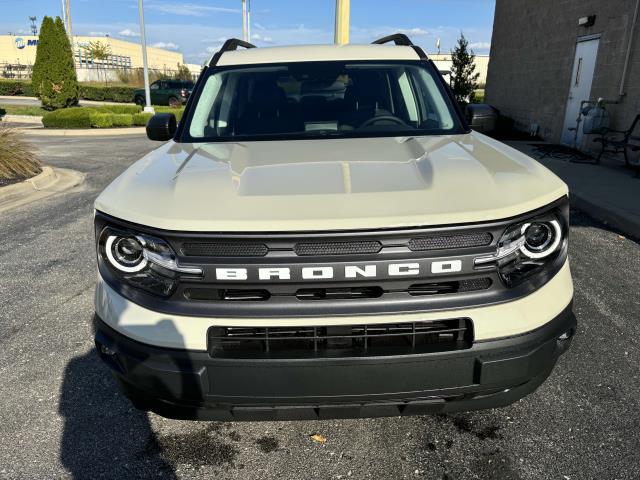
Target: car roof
{"points": [[317, 53]]}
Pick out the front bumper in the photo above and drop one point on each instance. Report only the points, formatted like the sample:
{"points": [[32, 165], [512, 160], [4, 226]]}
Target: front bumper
{"points": [[193, 385]]}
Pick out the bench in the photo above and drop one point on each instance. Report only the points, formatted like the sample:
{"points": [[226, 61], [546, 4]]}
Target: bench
{"points": [[622, 141]]}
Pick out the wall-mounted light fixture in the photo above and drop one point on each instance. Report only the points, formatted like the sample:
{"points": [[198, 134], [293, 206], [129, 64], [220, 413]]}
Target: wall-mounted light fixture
{"points": [[587, 21]]}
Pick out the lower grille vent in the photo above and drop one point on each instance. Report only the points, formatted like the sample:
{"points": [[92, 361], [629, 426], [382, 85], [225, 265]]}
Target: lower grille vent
{"points": [[442, 288], [341, 341], [223, 294], [339, 293]]}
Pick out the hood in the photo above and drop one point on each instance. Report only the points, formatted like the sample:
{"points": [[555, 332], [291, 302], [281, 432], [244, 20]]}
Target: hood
{"points": [[329, 184]]}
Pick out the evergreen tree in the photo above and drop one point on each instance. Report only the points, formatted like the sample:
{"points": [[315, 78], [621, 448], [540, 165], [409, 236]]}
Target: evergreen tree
{"points": [[54, 78], [183, 73], [465, 78]]}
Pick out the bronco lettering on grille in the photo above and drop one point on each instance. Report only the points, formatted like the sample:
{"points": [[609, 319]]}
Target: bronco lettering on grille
{"points": [[345, 272]]}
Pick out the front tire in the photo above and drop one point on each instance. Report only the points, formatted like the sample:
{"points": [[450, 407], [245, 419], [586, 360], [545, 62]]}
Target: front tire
{"points": [[139, 101], [174, 102]]}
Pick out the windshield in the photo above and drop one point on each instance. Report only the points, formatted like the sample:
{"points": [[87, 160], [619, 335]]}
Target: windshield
{"points": [[311, 99]]}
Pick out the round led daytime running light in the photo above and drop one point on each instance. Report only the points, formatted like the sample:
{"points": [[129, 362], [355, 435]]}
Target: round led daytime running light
{"points": [[550, 246], [123, 268]]}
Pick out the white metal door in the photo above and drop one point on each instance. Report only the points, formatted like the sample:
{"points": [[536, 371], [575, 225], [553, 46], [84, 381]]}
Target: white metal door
{"points": [[580, 88]]}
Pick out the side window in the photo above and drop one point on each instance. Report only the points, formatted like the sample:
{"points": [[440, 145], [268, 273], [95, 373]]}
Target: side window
{"points": [[204, 106], [155, 86], [408, 96]]}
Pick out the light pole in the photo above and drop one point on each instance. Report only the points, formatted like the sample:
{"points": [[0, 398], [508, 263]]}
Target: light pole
{"points": [[248, 20], [64, 13], [68, 10], [147, 91], [245, 22], [342, 22]]}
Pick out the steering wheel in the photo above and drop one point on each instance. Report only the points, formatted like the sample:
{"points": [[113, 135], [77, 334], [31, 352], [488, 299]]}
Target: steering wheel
{"points": [[385, 118]]}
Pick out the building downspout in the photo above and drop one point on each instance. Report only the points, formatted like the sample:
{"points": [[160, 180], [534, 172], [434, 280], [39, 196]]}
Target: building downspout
{"points": [[627, 59]]}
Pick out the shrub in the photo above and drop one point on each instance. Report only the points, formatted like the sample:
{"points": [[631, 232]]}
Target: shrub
{"points": [[15, 88], [54, 75], [17, 161], [122, 119], [176, 111], [101, 120], [86, 92], [141, 119], [69, 118], [109, 94], [128, 109]]}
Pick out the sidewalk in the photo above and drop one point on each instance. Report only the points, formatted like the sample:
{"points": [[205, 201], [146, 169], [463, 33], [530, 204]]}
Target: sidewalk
{"points": [[607, 192]]}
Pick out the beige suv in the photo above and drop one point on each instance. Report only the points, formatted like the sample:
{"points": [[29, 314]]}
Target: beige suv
{"points": [[323, 236]]}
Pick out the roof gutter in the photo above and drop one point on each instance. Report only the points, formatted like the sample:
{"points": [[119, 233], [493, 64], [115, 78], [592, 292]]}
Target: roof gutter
{"points": [[625, 70]]}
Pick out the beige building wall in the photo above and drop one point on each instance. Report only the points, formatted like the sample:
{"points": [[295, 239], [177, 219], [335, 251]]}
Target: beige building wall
{"points": [[443, 62], [22, 50]]}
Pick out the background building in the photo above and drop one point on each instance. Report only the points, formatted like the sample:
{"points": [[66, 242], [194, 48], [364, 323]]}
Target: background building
{"points": [[549, 56], [444, 64], [18, 53]]}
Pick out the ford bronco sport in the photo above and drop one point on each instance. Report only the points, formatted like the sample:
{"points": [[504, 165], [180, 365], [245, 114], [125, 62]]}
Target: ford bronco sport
{"points": [[322, 236]]}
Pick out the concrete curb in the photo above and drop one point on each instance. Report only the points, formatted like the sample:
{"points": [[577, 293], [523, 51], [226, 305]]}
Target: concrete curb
{"points": [[13, 97], [30, 119], [49, 182], [89, 132], [610, 216], [82, 102]]}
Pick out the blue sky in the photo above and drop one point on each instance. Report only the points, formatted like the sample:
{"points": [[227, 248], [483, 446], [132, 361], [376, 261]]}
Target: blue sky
{"points": [[197, 27]]}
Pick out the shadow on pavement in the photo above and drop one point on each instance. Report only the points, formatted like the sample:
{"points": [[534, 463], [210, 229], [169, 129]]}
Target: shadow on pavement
{"points": [[104, 436], [580, 218]]}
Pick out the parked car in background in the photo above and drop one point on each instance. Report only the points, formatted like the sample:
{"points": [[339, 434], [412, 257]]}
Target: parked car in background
{"points": [[166, 92]]}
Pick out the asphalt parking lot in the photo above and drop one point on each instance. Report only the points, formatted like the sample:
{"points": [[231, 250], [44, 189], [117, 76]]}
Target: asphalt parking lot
{"points": [[61, 415]]}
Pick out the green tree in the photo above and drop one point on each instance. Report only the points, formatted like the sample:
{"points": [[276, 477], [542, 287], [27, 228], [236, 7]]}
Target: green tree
{"points": [[100, 52], [463, 71], [183, 73], [54, 78]]}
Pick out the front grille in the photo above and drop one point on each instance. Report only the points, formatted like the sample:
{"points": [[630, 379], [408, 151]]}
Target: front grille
{"points": [[325, 247], [224, 249], [341, 341], [443, 242], [337, 248]]}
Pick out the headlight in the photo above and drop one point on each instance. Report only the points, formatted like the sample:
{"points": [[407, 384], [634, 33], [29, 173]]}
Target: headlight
{"points": [[141, 261], [526, 249], [125, 253], [541, 239]]}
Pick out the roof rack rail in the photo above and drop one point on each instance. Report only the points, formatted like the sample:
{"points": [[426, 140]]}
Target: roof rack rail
{"points": [[397, 38], [402, 40], [229, 46]]}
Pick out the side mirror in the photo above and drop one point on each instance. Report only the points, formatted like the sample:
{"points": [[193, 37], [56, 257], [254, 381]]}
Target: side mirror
{"points": [[162, 127], [481, 117]]}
